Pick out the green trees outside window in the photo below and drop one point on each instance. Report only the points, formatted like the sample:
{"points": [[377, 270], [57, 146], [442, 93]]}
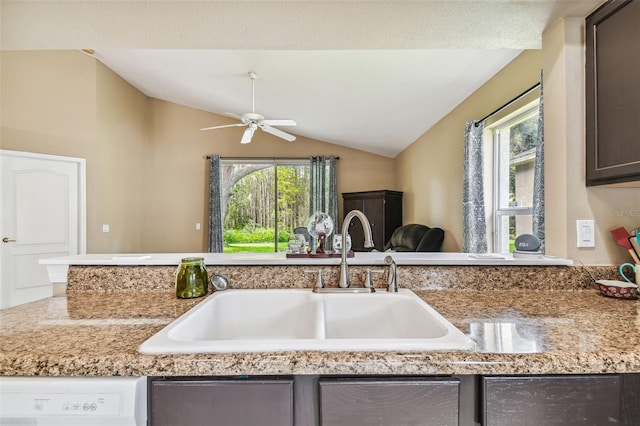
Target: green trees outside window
{"points": [[263, 201]]}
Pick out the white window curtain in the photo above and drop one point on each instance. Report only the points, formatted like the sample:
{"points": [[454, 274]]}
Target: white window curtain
{"points": [[474, 226], [216, 236], [538, 176], [323, 192]]}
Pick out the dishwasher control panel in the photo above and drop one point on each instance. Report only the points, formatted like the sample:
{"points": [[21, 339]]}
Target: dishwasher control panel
{"points": [[71, 401], [48, 404]]}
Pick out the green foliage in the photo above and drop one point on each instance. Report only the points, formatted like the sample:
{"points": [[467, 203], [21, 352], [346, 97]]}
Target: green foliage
{"points": [[238, 206], [248, 235], [253, 247], [253, 234], [251, 207], [524, 135], [251, 201], [293, 196], [253, 198]]}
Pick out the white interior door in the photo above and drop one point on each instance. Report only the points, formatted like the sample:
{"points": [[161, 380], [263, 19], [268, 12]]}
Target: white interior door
{"points": [[42, 216]]}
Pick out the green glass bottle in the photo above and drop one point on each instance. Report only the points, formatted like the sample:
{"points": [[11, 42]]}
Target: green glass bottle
{"points": [[192, 279]]}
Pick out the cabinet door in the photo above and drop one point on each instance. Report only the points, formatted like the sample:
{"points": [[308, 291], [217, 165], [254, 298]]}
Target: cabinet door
{"points": [[398, 402], [221, 402], [382, 208], [349, 204], [392, 215], [374, 210], [630, 399], [355, 228], [613, 93], [551, 400]]}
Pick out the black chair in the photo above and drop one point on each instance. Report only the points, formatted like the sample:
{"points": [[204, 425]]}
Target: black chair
{"points": [[416, 237]]}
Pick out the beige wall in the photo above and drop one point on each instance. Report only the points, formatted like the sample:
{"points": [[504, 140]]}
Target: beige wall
{"points": [[179, 167], [567, 197], [122, 148], [146, 171], [66, 103], [430, 170], [32, 117]]}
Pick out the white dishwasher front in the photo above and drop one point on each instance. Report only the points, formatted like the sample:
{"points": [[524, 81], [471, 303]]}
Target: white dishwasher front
{"points": [[73, 401]]}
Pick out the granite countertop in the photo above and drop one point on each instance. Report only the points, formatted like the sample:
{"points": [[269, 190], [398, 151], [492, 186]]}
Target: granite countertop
{"points": [[515, 331]]}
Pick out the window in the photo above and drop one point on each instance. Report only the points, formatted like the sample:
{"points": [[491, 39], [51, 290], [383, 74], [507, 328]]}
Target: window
{"points": [[514, 153], [262, 202]]}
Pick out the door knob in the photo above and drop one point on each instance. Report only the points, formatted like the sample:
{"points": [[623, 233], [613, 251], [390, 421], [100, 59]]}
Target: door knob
{"points": [[8, 240]]}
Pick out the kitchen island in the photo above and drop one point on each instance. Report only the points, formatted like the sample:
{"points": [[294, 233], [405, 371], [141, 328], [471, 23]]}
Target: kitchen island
{"points": [[535, 321], [544, 317]]}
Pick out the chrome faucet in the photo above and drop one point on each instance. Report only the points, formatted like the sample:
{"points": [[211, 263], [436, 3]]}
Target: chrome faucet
{"points": [[368, 243], [392, 282]]}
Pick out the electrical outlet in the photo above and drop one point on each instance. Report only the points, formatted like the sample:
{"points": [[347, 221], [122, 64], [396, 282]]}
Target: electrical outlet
{"points": [[586, 233], [197, 226], [105, 228]]}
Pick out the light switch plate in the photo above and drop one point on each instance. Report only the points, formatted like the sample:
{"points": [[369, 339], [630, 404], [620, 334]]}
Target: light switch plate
{"points": [[586, 233]]}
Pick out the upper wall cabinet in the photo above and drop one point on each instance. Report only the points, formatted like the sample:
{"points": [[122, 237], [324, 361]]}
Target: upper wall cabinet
{"points": [[613, 93]]}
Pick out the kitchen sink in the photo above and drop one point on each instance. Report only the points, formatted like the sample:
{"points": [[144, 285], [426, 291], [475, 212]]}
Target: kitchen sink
{"points": [[300, 320], [385, 316], [247, 315]]}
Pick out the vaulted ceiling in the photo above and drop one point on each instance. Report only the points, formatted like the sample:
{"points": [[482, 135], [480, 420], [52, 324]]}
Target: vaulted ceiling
{"points": [[372, 75]]}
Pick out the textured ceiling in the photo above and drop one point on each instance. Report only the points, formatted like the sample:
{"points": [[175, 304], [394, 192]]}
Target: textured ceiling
{"points": [[370, 75]]}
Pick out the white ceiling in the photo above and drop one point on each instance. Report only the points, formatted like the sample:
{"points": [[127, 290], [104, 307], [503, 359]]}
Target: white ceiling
{"points": [[368, 75], [377, 101]]}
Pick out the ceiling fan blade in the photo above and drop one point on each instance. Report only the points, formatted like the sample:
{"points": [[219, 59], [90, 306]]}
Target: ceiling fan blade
{"points": [[222, 127], [279, 122], [247, 135], [277, 132]]}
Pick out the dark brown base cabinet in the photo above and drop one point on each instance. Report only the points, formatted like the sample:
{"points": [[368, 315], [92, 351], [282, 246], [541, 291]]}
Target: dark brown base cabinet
{"points": [[382, 208], [555, 400], [589, 400], [220, 402], [416, 401]]}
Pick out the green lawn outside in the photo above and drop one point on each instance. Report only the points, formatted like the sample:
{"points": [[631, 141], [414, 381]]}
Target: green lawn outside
{"points": [[266, 247]]}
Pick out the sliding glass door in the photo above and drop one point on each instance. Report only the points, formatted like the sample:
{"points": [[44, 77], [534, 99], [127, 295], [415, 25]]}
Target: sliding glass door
{"points": [[263, 200]]}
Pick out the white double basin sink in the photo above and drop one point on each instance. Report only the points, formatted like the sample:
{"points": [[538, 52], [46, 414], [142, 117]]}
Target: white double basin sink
{"points": [[243, 320]]}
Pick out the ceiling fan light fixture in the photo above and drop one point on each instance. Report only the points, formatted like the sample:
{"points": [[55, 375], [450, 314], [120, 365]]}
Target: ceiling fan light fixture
{"points": [[254, 120]]}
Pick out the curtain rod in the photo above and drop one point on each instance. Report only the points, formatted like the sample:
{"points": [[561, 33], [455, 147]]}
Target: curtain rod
{"points": [[526, 92], [208, 157]]}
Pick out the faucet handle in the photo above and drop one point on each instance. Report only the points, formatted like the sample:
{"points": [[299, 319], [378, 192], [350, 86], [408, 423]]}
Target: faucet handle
{"points": [[392, 282], [367, 280], [319, 280]]}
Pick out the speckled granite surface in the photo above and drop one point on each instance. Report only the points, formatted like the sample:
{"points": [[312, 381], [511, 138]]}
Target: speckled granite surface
{"points": [[161, 278], [516, 332]]}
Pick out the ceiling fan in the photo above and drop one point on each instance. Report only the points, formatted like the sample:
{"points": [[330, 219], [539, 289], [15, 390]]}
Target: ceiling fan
{"points": [[254, 120]]}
